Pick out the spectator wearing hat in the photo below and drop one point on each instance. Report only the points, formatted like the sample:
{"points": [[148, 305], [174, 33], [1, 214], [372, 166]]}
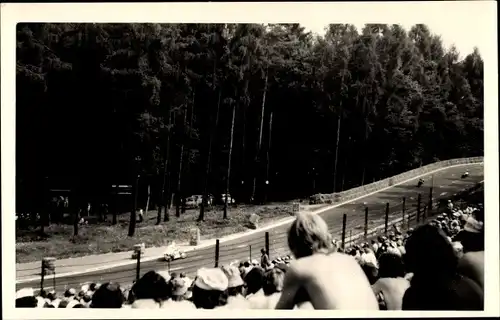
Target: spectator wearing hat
{"points": [[108, 296], [236, 299], [368, 257], [436, 284], [25, 298], [235, 282], [391, 285], [210, 288], [327, 281], [70, 294]]}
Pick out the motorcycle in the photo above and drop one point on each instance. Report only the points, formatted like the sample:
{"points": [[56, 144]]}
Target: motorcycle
{"points": [[465, 174], [420, 183]]}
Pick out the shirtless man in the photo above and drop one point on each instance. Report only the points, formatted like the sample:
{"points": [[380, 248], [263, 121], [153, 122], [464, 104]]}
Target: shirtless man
{"points": [[326, 279]]}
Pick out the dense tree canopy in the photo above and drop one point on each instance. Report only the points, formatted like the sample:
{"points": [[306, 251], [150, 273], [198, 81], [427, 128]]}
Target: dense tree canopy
{"points": [[98, 103]]}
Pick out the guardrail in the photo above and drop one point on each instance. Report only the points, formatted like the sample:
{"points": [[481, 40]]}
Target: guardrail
{"points": [[375, 186]]}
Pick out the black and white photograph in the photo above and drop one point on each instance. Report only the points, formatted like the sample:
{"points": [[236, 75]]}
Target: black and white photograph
{"points": [[315, 164]]}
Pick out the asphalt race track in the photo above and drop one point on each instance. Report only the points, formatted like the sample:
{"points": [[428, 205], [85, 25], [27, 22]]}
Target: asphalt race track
{"points": [[446, 183]]}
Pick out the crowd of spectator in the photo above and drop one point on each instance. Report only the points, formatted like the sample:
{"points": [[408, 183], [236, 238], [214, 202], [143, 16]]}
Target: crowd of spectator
{"points": [[437, 266]]}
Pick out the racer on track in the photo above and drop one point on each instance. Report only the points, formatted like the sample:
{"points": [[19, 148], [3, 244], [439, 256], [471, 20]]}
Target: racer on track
{"points": [[173, 253]]}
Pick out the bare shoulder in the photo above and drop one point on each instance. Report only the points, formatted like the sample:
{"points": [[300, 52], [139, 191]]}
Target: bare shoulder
{"points": [[309, 265]]}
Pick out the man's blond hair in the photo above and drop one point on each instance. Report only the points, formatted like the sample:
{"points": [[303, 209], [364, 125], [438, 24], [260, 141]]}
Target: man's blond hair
{"points": [[309, 234]]}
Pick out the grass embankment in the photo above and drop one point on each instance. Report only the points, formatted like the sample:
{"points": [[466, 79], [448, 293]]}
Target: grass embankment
{"points": [[106, 238]]}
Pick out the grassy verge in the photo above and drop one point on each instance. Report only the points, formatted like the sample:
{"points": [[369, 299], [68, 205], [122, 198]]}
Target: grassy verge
{"points": [[106, 238]]}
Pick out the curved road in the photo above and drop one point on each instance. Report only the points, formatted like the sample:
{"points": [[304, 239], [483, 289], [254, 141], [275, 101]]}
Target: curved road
{"points": [[446, 183]]}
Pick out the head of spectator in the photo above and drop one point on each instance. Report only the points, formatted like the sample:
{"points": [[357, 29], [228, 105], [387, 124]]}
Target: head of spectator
{"points": [[282, 266], [254, 281], [64, 303], [180, 288], [429, 254], [370, 270], [308, 235], [25, 298], [94, 286], [151, 286], [52, 295], [273, 281], [210, 288], [108, 296], [86, 300], [235, 282], [70, 293], [472, 236], [391, 266]]}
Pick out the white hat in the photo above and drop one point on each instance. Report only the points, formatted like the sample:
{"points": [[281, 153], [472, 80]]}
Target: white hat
{"points": [[473, 226], [233, 275], [255, 262], [211, 279], [25, 292]]}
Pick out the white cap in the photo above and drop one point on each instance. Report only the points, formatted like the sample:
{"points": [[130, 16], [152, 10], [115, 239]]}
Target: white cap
{"points": [[25, 292]]}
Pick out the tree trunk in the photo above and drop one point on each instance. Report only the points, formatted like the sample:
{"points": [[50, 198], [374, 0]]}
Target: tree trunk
{"points": [[268, 160], [338, 138], [228, 176], [164, 179], [243, 138], [133, 212], [201, 217], [147, 200], [188, 165], [259, 145], [344, 170], [364, 145], [178, 189], [336, 152]]}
